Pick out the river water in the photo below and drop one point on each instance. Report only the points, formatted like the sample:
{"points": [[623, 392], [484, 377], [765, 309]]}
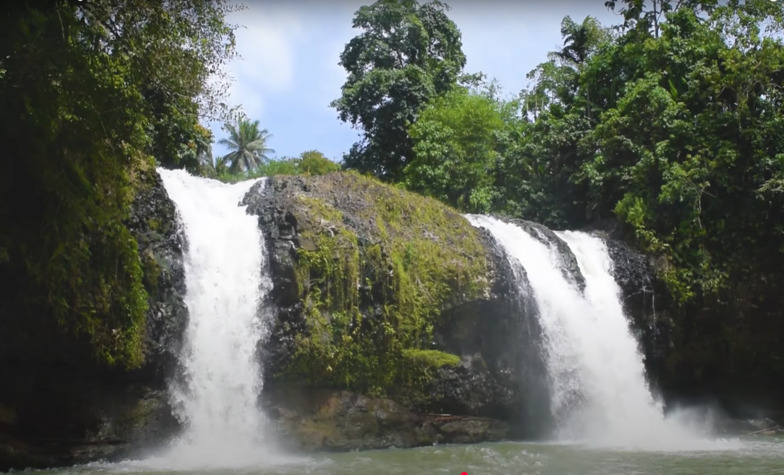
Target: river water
{"points": [[764, 455]]}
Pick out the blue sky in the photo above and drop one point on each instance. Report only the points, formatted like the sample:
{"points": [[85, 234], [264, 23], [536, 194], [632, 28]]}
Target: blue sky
{"points": [[287, 71]]}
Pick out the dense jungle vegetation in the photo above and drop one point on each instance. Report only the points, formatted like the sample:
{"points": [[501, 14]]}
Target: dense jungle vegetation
{"points": [[92, 94], [669, 123]]}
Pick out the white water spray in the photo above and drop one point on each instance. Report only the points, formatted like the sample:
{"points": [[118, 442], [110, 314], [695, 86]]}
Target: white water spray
{"points": [[599, 391], [226, 280]]}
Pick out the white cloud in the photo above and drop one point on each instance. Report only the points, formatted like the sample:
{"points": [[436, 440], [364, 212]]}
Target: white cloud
{"points": [[267, 48]]}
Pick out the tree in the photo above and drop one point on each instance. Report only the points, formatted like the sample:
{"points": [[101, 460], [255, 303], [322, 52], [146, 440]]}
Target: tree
{"points": [[672, 133], [248, 146], [458, 141], [184, 42], [643, 18], [534, 178], [406, 55], [580, 40]]}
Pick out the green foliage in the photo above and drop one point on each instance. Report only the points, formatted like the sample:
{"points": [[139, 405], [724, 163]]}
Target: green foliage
{"points": [[669, 127], [169, 49], [286, 166], [406, 54], [687, 140], [581, 41], [311, 162], [458, 139], [177, 137], [371, 302], [430, 358], [534, 178], [419, 368], [641, 22], [88, 89]]}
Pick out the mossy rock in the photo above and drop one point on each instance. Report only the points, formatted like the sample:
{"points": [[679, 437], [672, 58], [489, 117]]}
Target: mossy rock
{"points": [[373, 268]]}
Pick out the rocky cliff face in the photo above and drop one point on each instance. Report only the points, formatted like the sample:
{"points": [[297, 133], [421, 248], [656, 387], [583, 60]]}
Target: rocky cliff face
{"points": [[395, 323], [155, 225], [54, 414], [647, 303], [345, 252], [716, 352]]}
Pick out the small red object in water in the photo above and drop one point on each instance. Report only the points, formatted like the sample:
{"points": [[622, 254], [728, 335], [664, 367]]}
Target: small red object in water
{"points": [[464, 473]]}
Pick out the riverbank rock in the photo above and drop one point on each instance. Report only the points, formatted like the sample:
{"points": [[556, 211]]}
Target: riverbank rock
{"points": [[335, 420], [383, 294]]}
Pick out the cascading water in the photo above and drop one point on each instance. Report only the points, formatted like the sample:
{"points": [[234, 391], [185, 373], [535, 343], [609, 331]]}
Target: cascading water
{"points": [[226, 281], [599, 391]]}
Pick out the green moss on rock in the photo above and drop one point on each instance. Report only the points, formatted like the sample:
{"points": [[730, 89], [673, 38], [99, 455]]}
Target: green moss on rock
{"points": [[375, 267], [431, 358], [77, 295]]}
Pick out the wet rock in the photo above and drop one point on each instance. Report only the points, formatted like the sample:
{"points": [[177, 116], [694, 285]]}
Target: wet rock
{"points": [[641, 290], [336, 420], [155, 225], [502, 372], [547, 236]]}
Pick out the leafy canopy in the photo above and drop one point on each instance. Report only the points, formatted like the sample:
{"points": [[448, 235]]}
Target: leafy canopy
{"points": [[311, 162], [406, 54], [458, 140]]}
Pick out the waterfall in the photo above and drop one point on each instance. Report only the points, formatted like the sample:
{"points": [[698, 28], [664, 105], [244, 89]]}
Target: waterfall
{"points": [[598, 387], [226, 280]]}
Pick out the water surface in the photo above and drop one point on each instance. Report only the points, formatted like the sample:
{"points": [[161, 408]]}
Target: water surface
{"points": [[747, 457]]}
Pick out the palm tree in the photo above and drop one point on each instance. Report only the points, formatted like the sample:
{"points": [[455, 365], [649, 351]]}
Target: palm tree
{"points": [[580, 40], [248, 146], [220, 165]]}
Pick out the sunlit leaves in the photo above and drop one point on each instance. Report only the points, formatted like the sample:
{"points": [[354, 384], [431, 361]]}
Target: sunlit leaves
{"points": [[458, 141], [406, 54]]}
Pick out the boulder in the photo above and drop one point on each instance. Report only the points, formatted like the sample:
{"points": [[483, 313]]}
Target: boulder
{"points": [[475, 355], [335, 420]]}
